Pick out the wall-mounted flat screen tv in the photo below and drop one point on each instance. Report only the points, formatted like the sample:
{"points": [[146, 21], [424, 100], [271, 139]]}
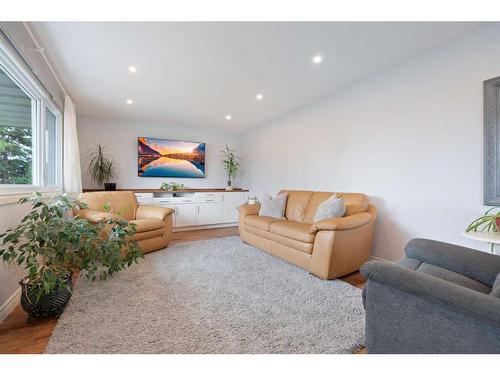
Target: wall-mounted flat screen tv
{"points": [[166, 158]]}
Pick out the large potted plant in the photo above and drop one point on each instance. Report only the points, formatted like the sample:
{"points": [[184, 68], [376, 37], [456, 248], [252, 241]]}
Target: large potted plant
{"points": [[102, 167], [231, 162], [51, 243]]}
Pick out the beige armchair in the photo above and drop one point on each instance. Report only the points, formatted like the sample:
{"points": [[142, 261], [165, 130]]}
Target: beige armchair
{"points": [[328, 248], [153, 224]]}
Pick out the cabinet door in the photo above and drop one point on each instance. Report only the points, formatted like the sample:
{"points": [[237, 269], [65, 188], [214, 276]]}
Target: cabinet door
{"points": [[208, 213], [231, 202], [185, 215]]}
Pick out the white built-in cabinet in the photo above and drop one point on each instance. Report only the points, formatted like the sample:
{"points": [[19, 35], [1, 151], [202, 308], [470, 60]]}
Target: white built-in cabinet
{"points": [[192, 210]]}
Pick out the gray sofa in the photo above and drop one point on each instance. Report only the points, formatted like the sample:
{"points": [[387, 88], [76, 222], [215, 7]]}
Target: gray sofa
{"points": [[440, 298]]}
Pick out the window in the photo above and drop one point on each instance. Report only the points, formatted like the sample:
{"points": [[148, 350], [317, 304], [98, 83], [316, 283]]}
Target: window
{"points": [[15, 133], [30, 132]]}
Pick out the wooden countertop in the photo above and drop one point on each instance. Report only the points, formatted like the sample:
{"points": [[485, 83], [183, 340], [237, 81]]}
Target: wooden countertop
{"points": [[207, 190]]}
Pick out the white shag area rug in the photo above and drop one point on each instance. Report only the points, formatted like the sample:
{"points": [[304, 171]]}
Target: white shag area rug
{"points": [[211, 296]]}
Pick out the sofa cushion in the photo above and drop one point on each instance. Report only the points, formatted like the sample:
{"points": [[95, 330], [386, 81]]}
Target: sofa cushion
{"points": [[139, 236], [144, 225], [331, 208], [122, 203], [354, 203], [261, 222], [495, 290], [294, 230], [409, 263], [274, 207], [444, 274], [303, 247], [297, 204]]}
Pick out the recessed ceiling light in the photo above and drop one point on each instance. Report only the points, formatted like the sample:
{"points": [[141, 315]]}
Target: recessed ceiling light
{"points": [[132, 69], [317, 59], [259, 97], [129, 101], [228, 117]]}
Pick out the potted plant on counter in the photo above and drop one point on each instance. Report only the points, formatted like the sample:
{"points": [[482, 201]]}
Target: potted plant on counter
{"points": [[231, 163], [489, 222], [102, 167], [51, 243]]}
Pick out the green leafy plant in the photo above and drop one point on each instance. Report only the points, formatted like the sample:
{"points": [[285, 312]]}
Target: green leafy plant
{"points": [[101, 165], [485, 223], [171, 186], [15, 155], [51, 243], [231, 162]]}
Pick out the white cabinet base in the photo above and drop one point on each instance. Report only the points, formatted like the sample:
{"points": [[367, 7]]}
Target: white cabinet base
{"points": [[202, 210]]}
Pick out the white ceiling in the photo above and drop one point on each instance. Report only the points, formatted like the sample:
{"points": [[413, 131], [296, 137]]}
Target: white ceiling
{"points": [[193, 74]]}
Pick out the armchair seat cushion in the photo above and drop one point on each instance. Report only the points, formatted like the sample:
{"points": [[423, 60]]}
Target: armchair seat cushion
{"points": [[293, 230], [140, 236], [260, 222], [146, 225], [444, 274]]}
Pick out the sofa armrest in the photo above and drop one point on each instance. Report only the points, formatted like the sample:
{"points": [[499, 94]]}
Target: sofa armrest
{"points": [[475, 264], [249, 209], [95, 216], [152, 212], [342, 223], [433, 289]]}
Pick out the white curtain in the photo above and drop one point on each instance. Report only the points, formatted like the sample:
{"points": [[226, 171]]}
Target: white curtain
{"points": [[72, 172]]}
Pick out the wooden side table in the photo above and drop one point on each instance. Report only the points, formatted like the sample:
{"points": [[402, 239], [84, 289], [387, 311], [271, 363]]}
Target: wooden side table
{"points": [[492, 238]]}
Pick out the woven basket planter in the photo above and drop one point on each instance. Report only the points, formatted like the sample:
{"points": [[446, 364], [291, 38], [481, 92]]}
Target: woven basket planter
{"points": [[51, 305]]}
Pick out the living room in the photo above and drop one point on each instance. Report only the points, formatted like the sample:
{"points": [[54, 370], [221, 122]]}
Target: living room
{"points": [[178, 186]]}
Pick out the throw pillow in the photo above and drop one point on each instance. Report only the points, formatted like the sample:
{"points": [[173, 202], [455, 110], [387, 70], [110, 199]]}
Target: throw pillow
{"points": [[332, 207], [274, 207]]}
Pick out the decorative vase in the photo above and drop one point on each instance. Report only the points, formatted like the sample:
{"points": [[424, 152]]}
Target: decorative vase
{"points": [[52, 304], [229, 185], [109, 186]]}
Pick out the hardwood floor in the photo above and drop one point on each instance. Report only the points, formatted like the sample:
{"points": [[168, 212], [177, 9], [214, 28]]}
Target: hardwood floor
{"points": [[17, 336]]}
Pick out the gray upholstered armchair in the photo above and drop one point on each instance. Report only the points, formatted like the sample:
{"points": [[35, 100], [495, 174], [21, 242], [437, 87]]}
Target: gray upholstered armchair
{"points": [[441, 298]]}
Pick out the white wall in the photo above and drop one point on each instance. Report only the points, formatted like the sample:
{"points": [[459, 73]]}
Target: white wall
{"points": [[120, 137], [10, 214], [410, 137]]}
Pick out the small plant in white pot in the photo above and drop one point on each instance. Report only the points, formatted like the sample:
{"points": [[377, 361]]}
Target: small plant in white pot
{"points": [[231, 162]]}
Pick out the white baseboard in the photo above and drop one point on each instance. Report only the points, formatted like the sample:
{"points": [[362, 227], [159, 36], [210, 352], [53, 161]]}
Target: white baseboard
{"points": [[9, 305], [377, 258], [212, 226]]}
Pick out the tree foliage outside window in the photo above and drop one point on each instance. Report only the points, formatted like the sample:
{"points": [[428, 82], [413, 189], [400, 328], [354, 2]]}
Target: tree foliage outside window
{"points": [[15, 155]]}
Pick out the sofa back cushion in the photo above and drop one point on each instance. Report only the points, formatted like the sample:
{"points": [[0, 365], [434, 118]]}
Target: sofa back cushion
{"points": [[354, 202], [302, 205], [297, 204], [123, 203], [495, 289]]}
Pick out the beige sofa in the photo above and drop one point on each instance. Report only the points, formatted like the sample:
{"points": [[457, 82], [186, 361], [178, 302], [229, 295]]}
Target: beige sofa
{"points": [[328, 248], [153, 224]]}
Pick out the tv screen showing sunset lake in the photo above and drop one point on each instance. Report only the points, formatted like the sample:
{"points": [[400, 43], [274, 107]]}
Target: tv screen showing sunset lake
{"points": [[165, 158]]}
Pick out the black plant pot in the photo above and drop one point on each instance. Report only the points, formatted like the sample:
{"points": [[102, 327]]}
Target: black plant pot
{"points": [[109, 186], [52, 304]]}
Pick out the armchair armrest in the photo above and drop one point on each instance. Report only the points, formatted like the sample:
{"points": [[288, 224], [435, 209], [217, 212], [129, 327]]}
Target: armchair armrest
{"points": [[249, 209], [475, 264], [95, 216], [152, 212], [342, 223], [433, 289]]}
